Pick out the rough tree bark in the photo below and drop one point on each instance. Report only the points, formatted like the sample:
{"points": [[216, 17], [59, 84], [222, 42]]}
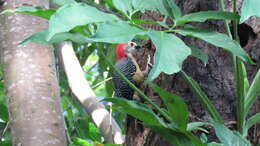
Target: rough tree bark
{"points": [[216, 78], [31, 82]]}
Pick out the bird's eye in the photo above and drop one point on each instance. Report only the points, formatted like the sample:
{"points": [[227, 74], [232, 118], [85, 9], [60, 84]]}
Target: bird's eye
{"points": [[131, 44]]}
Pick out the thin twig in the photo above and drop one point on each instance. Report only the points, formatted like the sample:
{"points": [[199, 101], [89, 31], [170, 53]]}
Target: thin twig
{"points": [[100, 83], [6, 127]]}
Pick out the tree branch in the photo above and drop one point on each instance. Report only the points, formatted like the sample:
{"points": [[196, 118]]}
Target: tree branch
{"points": [[81, 89]]}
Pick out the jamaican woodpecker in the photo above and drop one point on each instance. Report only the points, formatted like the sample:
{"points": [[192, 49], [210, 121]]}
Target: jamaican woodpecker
{"points": [[126, 64]]}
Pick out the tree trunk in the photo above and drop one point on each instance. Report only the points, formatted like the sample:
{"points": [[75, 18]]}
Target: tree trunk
{"points": [[216, 78], [31, 82]]}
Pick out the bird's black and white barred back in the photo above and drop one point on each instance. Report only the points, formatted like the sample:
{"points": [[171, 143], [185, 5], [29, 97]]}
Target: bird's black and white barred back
{"points": [[122, 89]]}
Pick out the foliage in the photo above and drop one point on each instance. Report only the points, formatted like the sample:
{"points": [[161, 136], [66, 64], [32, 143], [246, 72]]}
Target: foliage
{"points": [[249, 8], [94, 31]]}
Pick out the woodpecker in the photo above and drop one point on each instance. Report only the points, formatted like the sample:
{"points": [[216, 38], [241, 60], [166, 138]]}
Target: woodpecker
{"points": [[126, 64]]}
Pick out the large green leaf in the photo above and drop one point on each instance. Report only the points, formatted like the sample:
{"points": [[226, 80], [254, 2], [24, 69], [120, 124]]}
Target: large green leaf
{"points": [[149, 5], [253, 92], [176, 106], [137, 110], [63, 2], [217, 39], [116, 32], [200, 54], [172, 9], [227, 137], [202, 97], [205, 15], [40, 37], [124, 6], [249, 8], [70, 16], [31, 10], [170, 53]]}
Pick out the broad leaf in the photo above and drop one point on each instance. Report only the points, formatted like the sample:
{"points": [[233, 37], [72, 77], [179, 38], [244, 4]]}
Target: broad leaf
{"points": [[70, 16], [170, 53], [172, 9], [195, 87], [124, 6], [249, 8], [137, 110], [205, 15], [40, 37], [176, 106], [200, 54], [32, 10], [253, 92], [63, 2], [149, 5], [229, 138], [219, 40], [116, 32]]}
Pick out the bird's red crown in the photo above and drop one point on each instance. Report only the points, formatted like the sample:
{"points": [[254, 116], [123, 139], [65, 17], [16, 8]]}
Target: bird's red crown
{"points": [[120, 53]]}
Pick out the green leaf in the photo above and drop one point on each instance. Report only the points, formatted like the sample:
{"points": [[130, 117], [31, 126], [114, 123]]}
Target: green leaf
{"points": [[31, 10], [197, 126], [198, 53], [80, 142], [172, 9], [205, 15], [6, 143], [116, 32], [227, 137], [149, 5], [170, 53], [214, 144], [242, 86], [40, 37], [4, 112], [124, 6], [252, 121], [178, 138], [249, 8], [219, 40], [202, 97], [63, 2], [137, 110], [176, 106], [70, 16], [139, 21], [253, 92]]}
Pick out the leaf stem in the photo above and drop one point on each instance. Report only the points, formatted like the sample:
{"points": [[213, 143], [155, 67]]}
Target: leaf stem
{"points": [[146, 98], [238, 73], [222, 6]]}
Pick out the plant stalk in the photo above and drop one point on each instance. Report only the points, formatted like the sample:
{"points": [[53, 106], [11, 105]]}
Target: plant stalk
{"points": [[238, 73]]}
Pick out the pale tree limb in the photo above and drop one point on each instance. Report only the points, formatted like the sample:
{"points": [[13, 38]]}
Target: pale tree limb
{"points": [[81, 89]]}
